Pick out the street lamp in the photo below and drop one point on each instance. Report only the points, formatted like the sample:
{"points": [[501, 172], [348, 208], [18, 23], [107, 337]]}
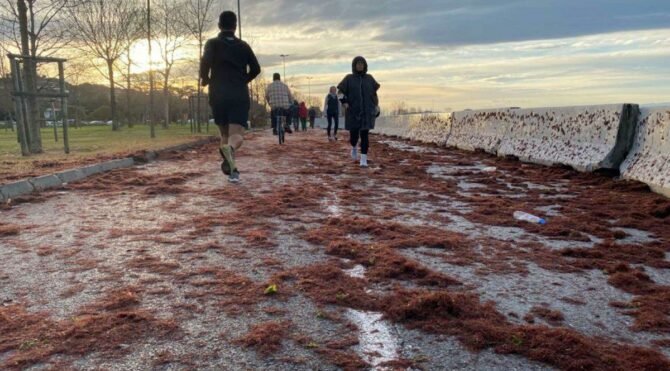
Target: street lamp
{"points": [[239, 18], [283, 58]]}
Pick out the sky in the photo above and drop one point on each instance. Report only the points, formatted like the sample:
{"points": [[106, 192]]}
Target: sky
{"points": [[451, 55]]}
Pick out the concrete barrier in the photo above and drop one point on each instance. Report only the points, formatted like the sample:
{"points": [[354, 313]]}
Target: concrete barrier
{"points": [[479, 130], [91, 170], [70, 176], [393, 126], [586, 138], [15, 189], [424, 127], [649, 159], [430, 128], [46, 182], [42, 183], [117, 164]]}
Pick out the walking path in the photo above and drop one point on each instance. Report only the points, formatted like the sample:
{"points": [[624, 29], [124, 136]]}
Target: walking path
{"points": [[314, 263]]}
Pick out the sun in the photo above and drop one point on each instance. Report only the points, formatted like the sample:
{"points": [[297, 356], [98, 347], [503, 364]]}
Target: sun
{"points": [[139, 55]]}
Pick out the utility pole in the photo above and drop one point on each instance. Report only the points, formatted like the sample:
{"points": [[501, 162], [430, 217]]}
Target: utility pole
{"points": [[239, 18]]}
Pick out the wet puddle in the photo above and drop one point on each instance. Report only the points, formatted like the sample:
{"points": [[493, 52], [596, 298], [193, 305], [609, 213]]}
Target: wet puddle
{"points": [[407, 147], [377, 344]]}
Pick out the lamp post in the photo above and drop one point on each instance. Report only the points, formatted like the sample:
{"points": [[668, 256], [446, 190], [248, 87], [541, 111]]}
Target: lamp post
{"points": [[283, 58], [309, 88], [239, 18]]}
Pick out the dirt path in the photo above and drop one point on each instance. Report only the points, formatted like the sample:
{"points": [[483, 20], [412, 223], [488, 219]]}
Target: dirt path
{"points": [[314, 263]]}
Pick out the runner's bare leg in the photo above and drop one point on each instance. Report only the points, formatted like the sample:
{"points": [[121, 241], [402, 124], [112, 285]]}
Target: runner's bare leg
{"points": [[235, 136], [224, 130]]}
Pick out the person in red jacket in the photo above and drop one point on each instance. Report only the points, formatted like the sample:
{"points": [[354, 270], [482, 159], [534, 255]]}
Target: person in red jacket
{"points": [[302, 113]]}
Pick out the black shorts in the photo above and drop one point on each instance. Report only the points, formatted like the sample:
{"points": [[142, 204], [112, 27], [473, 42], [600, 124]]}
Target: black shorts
{"points": [[229, 112]]}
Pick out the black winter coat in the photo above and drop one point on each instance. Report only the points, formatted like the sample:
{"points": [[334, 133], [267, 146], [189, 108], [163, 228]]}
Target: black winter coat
{"points": [[360, 92]]}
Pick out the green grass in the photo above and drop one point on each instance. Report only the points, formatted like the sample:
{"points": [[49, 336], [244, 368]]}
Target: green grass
{"points": [[99, 139], [89, 142]]}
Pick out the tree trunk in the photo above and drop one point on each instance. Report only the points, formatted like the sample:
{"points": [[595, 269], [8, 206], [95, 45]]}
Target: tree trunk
{"points": [[166, 96], [152, 130], [33, 135], [112, 94], [128, 119], [198, 108], [31, 86]]}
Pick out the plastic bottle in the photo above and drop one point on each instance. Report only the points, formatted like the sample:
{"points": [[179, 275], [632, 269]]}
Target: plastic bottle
{"points": [[520, 215]]}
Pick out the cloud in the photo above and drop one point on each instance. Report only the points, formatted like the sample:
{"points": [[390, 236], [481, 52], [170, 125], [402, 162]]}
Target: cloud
{"points": [[472, 54], [456, 22]]}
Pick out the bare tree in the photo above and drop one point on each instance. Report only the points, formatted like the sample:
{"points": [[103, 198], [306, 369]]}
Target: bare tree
{"points": [[100, 29], [6, 82], [170, 36], [75, 70], [36, 29], [125, 69], [197, 17], [126, 64]]}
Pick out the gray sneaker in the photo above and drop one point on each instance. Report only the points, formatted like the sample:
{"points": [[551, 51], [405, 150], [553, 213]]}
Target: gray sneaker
{"points": [[225, 165], [234, 176]]}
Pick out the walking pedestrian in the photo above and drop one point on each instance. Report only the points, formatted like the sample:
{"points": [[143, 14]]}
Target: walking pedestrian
{"points": [[361, 105], [302, 112], [312, 117], [228, 65], [295, 107], [331, 109]]}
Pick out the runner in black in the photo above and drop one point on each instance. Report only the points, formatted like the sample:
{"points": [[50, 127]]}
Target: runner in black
{"points": [[227, 66]]}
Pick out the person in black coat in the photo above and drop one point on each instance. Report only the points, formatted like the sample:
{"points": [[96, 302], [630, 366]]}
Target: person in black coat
{"points": [[312, 117], [295, 108], [331, 109], [361, 104], [227, 66]]}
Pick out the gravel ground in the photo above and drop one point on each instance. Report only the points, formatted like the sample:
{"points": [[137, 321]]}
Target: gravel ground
{"points": [[168, 266]]}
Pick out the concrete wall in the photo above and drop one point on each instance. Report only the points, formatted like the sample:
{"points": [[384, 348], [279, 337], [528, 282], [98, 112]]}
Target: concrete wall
{"points": [[394, 126], [428, 128], [586, 138], [649, 159], [479, 130]]}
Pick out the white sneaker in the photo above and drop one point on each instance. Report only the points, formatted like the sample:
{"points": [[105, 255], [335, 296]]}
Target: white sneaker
{"points": [[364, 160], [354, 154]]}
